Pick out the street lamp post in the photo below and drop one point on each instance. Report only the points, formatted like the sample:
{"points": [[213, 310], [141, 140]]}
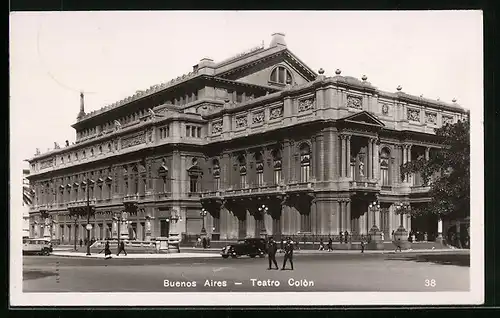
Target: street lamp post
{"points": [[203, 213], [401, 234], [76, 218], [375, 233], [263, 210]]}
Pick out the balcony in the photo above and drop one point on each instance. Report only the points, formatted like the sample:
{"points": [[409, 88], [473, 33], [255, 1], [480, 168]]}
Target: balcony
{"points": [[300, 186], [419, 189], [131, 198], [81, 203], [363, 185]]}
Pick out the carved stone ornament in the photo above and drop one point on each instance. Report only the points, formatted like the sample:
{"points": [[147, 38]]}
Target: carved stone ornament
{"points": [[134, 140], [258, 117], [413, 114], [46, 164], [306, 104], [150, 135], [276, 112], [241, 121], [447, 120], [354, 102], [216, 127], [385, 109], [431, 118]]}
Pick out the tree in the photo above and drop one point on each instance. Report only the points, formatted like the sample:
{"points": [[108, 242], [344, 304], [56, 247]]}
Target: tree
{"points": [[447, 172], [27, 194]]}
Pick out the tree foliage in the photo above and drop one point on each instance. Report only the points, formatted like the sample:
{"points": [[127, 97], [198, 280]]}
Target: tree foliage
{"points": [[447, 172]]}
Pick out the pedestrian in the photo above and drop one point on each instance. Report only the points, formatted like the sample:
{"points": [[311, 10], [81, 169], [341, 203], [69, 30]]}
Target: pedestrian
{"points": [[272, 248], [204, 242], [330, 244], [321, 245], [107, 251], [346, 236], [362, 246], [425, 236], [81, 242], [208, 242], [198, 241], [383, 238], [398, 245], [341, 237], [392, 235], [121, 248], [288, 253]]}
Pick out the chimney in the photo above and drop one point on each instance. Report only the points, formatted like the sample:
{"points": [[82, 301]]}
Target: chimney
{"points": [[278, 39], [81, 114]]}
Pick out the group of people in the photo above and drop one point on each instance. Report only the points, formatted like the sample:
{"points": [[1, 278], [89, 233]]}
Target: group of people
{"points": [[204, 242], [272, 249], [107, 249]]}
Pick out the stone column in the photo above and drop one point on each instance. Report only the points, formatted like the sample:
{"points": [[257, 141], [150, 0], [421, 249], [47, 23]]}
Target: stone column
{"points": [[348, 215], [369, 159], [341, 216], [348, 157], [376, 160], [314, 217], [320, 154], [343, 155]]}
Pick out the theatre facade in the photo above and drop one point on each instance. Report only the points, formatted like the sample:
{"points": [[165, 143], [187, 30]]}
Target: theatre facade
{"points": [[258, 144]]}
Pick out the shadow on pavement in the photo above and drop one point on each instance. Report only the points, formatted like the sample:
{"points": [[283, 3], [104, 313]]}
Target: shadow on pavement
{"points": [[35, 274], [441, 259]]}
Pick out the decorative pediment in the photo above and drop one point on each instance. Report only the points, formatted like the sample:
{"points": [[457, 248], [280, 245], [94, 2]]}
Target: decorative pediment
{"points": [[363, 118], [76, 184], [100, 180], [108, 179], [68, 185]]}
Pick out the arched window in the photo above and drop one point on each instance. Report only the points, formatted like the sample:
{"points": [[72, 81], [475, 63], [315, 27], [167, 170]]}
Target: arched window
{"points": [[259, 168], [280, 75], [384, 166], [277, 166], [243, 171], [305, 162], [216, 174]]}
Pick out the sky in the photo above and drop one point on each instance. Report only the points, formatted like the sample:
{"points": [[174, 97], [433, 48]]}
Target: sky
{"points": [[110, 55]]}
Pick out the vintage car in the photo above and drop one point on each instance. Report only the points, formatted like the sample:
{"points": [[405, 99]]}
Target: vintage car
{"points": [[251, 246], [37, 246]]}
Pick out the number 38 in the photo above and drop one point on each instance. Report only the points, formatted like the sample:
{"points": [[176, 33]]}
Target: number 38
{"points": [[430, 283]]}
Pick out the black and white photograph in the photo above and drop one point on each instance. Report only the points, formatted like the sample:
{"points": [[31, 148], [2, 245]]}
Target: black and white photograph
{"points": [[252, 158]]}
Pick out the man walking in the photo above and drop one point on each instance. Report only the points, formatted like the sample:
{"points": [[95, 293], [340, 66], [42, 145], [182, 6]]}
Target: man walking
{"points": [[288, 253], [121, 248], [330, 244], [272, 248], [398, 245]]}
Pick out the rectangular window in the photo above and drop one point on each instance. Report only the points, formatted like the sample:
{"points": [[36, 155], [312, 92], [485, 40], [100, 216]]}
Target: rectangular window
{"points": [[243, 181], [193, 131], [304, 174], [193, 184], [260, 179], [198, 132], [188, 131], [164, 186], [384, 175], [239, 97], [353, 171], [109, 190], [217, 184]]}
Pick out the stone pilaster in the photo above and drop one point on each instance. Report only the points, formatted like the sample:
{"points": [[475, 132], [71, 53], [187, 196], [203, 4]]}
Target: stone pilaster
{"points": [[320, 157], [369, 159], [348, 157], [314, 217], [376, 161], [348, 215]]}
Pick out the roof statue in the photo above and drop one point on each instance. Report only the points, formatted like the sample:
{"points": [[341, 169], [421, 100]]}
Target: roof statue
{"points": [[117, 124], [151, 113], [67, 143], [37, 152], [81, 113], [56, 146]]}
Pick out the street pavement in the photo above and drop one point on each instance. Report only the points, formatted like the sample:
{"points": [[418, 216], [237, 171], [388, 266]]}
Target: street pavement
{"points": [[335, 271]]}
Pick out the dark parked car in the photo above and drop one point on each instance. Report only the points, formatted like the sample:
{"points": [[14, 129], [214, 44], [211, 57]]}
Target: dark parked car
{"points": [[250, 246]]}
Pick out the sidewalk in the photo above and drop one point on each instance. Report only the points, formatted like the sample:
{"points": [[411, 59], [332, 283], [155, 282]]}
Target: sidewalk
{"points": [[353, 251], [137, 256]]}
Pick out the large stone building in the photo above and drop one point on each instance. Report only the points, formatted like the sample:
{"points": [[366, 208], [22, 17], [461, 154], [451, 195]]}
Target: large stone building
{"points": [[26, 203], [260, 142]]}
